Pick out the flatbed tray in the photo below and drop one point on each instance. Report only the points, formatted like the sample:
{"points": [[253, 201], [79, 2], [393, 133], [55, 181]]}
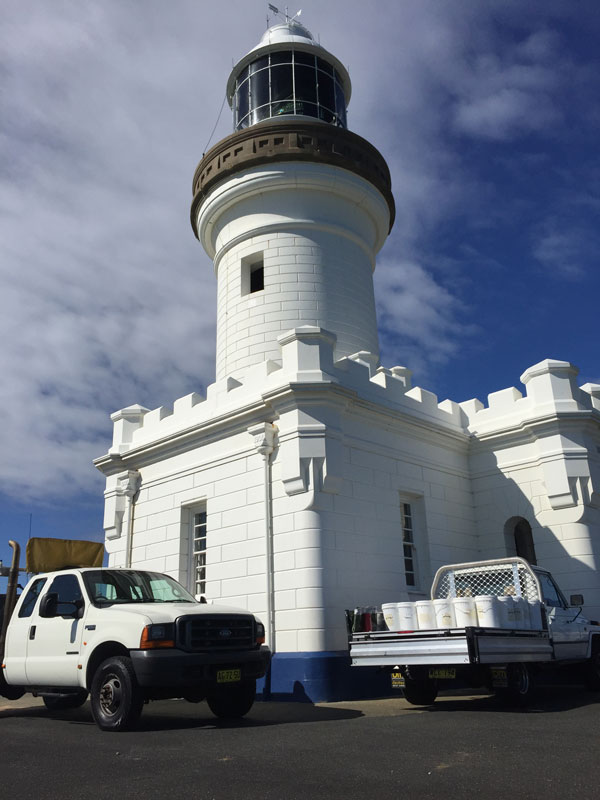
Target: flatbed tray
{"points": [[449, 646]]}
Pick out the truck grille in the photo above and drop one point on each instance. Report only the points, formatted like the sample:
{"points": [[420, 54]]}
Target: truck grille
{"points": [[216, 632]]}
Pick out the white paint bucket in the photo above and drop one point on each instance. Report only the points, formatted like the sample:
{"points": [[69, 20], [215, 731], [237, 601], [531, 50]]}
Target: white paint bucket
{"points": [[444, 613], [521, 613], [465, 612], [407, 617], [390, 615], [535, 615], [488, 611], [425, 615], [507, 616]]}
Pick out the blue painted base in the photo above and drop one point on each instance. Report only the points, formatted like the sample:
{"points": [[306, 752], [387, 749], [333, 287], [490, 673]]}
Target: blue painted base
{"points": [[321, 677]]}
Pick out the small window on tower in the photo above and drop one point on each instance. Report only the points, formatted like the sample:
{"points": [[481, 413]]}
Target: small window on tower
{"points": [[253, 274], [257, 278]]}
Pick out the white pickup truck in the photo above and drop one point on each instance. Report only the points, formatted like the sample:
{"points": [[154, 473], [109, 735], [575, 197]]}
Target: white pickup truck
{"points": [[125, 637], [504, 657]]}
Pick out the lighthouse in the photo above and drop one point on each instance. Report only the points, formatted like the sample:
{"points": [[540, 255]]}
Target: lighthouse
{"points": [[292, 206], [310, 478]]}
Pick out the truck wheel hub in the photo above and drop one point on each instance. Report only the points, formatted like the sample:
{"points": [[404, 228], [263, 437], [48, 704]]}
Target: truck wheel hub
{"points": [[110, 695]]}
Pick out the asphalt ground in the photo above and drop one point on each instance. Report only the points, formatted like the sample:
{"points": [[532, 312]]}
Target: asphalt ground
{"points": [[461, 747]]}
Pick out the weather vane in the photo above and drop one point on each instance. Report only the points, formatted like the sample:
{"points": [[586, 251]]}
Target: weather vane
{"points": [[282, 14]]}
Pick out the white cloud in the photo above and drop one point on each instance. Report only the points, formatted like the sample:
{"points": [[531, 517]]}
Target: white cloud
{"points": [[415, 309]]}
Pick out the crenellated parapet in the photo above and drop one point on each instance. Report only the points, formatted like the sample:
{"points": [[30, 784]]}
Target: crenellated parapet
{"points": [[551, 389], [307, 364], [551, 425]]}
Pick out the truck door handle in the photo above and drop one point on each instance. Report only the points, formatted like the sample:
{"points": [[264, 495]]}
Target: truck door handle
{"points": [[32, 632]]}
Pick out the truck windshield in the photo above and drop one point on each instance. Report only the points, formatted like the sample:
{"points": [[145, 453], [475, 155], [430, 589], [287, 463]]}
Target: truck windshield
{"points": [[110, 586]]}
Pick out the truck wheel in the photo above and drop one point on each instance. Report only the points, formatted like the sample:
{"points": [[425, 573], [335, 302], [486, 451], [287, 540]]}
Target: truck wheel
{"points": [[420, 692], [62, 702], [8, 691], [232, 701], [521, 686], [115, 696], [592, 671]]}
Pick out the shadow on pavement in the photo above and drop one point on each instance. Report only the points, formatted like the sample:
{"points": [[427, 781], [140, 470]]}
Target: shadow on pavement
{"points": [[546, 700], [180, 715]]}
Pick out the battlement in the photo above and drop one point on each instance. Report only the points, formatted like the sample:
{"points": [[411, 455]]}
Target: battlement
{"points": [[551, 389], [307, 358]]}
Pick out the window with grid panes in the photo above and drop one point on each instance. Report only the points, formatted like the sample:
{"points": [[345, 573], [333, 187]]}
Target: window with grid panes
{"points": [[408, 544], [199, 552]]}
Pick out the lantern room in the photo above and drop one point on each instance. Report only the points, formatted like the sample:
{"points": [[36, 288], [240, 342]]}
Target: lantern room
{"points": [[288, 74]]}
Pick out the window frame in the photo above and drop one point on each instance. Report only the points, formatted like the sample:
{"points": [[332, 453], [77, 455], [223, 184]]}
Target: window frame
{"points": [[196, 585], [409, 546]]}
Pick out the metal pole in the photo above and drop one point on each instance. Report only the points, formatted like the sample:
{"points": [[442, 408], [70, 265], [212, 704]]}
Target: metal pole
{"points": [[11, 593]]}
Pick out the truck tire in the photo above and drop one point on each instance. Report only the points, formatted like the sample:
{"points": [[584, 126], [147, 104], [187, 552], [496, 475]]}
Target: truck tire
{"points": [[63, 702], [592, 670], [8, 691], [420, 692], [232, 701], [115, 696], [521, 685]]}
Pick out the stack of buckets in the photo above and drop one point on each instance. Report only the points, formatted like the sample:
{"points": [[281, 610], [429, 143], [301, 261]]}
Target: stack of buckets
{"points": [[483, 611]]}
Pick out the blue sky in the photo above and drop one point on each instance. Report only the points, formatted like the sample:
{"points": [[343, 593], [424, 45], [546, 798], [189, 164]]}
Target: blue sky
{"points": [[488, 116]]}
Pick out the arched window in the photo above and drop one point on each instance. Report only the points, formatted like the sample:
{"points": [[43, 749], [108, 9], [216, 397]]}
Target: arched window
{"points": [[524, 541], [519, 539]]}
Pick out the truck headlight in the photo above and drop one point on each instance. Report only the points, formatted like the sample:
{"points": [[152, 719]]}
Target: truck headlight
{"points": [[158, 635]]}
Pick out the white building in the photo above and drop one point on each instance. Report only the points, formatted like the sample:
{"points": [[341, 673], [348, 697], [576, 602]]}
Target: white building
{"points": [[311, 478]]}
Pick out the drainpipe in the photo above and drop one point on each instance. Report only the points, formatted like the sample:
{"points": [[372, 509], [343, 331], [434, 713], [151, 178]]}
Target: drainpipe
{"points": [[129, 486], [264, 436]]}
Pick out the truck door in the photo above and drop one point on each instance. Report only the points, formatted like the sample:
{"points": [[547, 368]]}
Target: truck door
{"points": [[18, 632], [53, 644], [568, 635]]}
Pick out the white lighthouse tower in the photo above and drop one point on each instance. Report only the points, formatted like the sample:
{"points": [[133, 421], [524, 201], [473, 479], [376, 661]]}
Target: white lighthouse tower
{"points": [[311, 479], [292, 207]]}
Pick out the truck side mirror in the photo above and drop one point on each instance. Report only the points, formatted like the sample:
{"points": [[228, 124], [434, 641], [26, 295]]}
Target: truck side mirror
{"points": [[576, 600], [49, 605]]}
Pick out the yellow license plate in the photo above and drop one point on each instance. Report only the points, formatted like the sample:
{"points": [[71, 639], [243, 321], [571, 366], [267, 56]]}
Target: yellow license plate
{"points": [[447, 673], [229, 675], [398, 681], [499, 677]]}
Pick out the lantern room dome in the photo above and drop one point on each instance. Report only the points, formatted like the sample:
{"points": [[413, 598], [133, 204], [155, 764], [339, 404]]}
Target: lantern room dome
{"points": [[288, 74], [291, 31]]}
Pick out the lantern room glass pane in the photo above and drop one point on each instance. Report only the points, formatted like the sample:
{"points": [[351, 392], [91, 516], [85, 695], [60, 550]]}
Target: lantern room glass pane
{"points": [[260, 63], [282, 87], [304, 58], [326, 115], [323, 65], [282, 57], [326, 92], [307, 109], [306, 84], [264, 112], [340, 104], [242, 100], [259, 88]]}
